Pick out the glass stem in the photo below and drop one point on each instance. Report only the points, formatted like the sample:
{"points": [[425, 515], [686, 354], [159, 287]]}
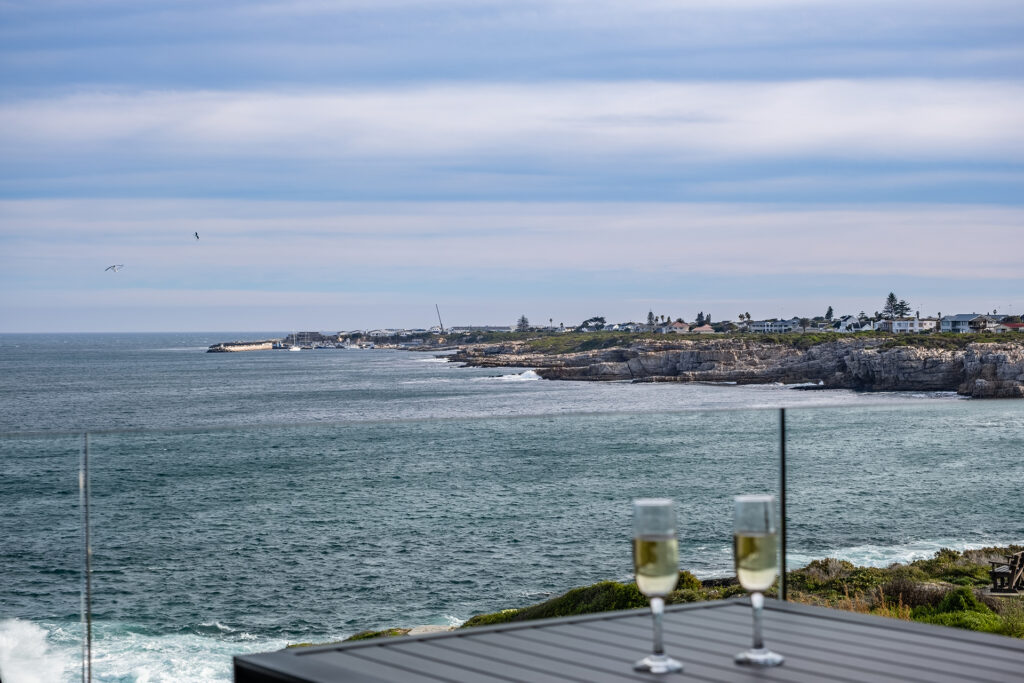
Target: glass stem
{"points": [[657, 610], [757, 602]]}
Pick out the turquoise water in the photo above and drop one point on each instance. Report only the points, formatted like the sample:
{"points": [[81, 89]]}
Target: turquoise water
{"points": [[244, 501]]}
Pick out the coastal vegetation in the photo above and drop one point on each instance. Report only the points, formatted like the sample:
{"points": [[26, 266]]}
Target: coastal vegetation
{"points": [[945, 589], [559, 344]]}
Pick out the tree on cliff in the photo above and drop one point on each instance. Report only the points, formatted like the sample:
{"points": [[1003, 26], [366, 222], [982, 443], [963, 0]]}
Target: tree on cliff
{"points": [[889, 310], [650, 318], [523, 325], [895, 308], [828, 313], [804, 322]]}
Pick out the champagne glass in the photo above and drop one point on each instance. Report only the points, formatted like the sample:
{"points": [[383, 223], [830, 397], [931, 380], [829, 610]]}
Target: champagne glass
{"points": [[755, 548], [656, 562]]}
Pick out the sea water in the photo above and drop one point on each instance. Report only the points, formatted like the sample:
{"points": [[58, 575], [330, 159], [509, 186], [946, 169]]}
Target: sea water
{"points": [[244, 501]]}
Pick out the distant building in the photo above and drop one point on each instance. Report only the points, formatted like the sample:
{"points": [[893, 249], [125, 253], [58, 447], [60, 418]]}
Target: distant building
{"points": [[847, 323], [967, 322], [703, 329], [912, 325], [774, 326], [678, 327], [1009, 327], [481, 328], [309, 338]]}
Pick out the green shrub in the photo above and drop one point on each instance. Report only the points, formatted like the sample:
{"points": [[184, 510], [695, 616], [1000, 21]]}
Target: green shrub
{"points": [[956, 568], [959, 600], [1011, 611], [974, 621], [687, 581], [502, 617], [835, 578], [960, 608], [902, 590], [680, 596], [599, 597], [386, 633], [731, 591], [820, 573]]}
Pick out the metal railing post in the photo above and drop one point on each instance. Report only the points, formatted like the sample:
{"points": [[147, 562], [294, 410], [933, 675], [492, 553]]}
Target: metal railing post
{"points": [[782, 504], [83, 503]]}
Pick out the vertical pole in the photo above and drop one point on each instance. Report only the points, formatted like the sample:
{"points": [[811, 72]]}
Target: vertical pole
{"points": [[782, 504], [83, 504]]}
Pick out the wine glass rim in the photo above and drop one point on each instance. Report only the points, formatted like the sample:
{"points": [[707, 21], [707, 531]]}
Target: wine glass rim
{"points": [[754, 498], [652, 501]]}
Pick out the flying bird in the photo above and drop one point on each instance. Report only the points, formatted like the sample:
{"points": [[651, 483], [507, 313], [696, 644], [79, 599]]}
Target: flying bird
{"points": [[116, 268], [196, 234]]}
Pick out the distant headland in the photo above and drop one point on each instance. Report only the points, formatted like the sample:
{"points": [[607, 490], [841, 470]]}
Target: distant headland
{"points": [[980, 366]]}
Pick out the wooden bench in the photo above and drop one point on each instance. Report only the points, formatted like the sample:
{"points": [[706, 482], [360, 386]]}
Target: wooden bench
{"points": [[1008, 577]]}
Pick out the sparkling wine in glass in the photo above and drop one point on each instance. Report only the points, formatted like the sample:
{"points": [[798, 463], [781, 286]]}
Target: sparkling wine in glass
{"points": [[656, 563], [755, 550]]}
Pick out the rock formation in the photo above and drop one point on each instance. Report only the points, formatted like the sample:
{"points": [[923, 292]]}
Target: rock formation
{"points": [[981, 370]]}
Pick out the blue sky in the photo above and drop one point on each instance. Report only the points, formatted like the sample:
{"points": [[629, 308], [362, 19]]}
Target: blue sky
{"points": [[350, 164]]}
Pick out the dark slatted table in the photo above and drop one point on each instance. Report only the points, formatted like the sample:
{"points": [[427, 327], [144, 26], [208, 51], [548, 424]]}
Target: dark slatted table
{"points": [[819, 644]]}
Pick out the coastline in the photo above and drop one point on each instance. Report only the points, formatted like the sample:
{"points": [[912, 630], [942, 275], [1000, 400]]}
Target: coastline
{"points": [[989, 369], [947, 589]]}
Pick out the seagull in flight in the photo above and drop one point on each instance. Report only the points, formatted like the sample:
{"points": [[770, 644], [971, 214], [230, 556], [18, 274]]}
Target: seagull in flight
{"points": [[116, 268], [196, 234]]}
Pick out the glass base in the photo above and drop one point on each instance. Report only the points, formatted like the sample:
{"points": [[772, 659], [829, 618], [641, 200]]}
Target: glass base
{"points": [[760, 657], [658, 664]]}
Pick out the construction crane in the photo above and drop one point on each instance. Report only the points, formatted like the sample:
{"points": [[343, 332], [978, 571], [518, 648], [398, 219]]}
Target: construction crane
{"points": [[439, 318]]}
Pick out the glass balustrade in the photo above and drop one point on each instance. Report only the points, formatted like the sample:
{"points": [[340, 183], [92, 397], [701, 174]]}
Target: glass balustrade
{"points": [[215, 541]]}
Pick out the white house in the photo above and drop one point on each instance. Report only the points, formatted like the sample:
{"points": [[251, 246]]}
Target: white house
{"points": [[911, 325], [967, 322], [848, 323]]}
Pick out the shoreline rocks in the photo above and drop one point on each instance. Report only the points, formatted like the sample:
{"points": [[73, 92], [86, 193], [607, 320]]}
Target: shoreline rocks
{"points": [[979, 370]]}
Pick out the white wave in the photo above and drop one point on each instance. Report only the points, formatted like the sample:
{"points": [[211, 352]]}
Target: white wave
{"points": [[527, 376], [30, 653], [883, 556], [431, 360], [450, 620], [27, 656]]}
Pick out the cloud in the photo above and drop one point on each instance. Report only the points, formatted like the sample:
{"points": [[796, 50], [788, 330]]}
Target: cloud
{"points": [[270, 245], [896, 119], [623, 140]]}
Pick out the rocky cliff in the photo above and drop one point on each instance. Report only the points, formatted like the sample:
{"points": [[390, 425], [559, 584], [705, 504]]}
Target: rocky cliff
{"points": [[981, 370]]}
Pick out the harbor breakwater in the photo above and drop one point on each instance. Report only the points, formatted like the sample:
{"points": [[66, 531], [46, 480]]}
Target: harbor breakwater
{"points": [[979, 370], [228, 347]]}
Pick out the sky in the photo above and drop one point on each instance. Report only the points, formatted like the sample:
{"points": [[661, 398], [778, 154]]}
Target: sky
{"points": [[350, 164]]}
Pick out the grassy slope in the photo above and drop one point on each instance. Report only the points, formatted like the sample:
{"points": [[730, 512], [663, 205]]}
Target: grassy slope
{"points": [[570, 343], [940, 590]]}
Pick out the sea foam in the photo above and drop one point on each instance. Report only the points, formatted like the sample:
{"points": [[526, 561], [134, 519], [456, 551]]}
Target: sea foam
{"points": [[26, 655], [883, 556], [527, 376]]}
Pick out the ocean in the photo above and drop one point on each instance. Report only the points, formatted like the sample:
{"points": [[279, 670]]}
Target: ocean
{"points": [[244, 501]]}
